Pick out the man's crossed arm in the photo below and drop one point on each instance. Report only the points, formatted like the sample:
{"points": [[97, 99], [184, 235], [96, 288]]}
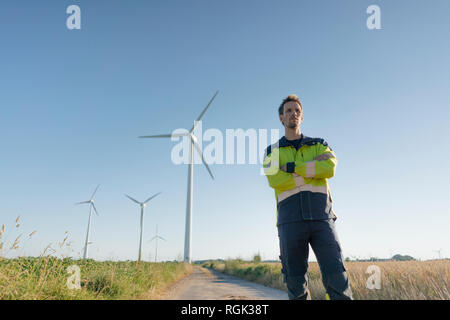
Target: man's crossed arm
{"points": [[282, 178], [322, 166], [320, 157]]}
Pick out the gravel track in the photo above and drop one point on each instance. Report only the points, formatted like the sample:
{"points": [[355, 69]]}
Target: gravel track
{"points": [[205, 284]]}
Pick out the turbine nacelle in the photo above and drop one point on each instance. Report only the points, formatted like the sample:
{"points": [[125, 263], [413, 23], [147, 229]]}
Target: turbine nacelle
{"points": [[193, 138], [142, 204], [91, 201]]}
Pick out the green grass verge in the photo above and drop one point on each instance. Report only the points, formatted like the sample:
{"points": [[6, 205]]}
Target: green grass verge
{"points": [[45, 278]]}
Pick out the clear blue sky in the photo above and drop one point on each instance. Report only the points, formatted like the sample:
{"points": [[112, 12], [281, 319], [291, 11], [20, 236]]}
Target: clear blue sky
{"points": [[72, 104]]}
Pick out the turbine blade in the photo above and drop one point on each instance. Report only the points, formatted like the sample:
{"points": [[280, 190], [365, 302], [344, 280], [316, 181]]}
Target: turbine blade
{"points": [[95, 209], [203, 112], [92, 197], [162, 238], [180, 134], [169, 135], [152, 239], [82, 202], [132, 199], [203, 159], [152, 197]]}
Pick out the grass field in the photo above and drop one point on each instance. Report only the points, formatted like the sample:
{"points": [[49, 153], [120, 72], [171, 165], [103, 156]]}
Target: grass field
{"points": [[46, 278], [400, 280]]}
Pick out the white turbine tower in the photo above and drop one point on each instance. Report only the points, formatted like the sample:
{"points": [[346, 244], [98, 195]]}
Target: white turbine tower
{"points": [[193, 144], [439, 253], [142, 204], [91, 206], [156, 245]]}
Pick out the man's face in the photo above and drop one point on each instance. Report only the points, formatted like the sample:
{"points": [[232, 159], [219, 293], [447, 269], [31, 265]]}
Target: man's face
{"points": [[292, 116]]}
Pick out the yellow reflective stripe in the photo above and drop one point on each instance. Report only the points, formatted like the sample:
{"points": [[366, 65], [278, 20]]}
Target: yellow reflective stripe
{"points": [[310, 169], [305, 187]]}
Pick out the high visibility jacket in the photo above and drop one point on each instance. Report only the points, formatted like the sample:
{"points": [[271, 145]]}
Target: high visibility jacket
{"points": [[302, 193]]}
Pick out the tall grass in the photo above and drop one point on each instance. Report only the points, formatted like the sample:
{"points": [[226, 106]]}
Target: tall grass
{"points": [[45, 277], [400, 280]]}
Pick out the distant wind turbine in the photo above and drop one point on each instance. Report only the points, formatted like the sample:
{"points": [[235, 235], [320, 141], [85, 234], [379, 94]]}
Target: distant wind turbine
{"points": [[156, 246], [439, 253], [91, 206], [89, 243], [142, 204], [193, 144]]}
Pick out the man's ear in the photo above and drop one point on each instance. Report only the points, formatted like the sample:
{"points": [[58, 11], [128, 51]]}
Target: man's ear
{"points": [[281, 119]]}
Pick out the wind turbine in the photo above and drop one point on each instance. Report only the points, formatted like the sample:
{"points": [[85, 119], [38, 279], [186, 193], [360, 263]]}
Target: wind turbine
{"points": [[91, 206], [156, 238], [142, 204], [439, 253], [193, 144]]}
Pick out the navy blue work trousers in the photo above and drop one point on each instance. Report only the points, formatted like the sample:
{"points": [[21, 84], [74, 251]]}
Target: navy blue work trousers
{"points": [[295, 238]]}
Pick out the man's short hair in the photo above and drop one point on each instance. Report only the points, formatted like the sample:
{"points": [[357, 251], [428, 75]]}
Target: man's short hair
{"points": [[291, 97]]}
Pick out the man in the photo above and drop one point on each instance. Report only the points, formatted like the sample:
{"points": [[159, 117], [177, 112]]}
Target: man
{"points": [[298, 167]]}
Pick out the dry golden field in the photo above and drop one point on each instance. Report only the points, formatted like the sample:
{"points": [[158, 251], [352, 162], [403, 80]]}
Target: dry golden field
{"points": [[399, 280]]}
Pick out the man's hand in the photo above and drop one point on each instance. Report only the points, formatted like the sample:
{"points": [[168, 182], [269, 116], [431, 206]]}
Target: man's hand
{"points": [[323, 156], [320, 157]]}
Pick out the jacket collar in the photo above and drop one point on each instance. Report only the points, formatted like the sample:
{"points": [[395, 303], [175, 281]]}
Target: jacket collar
{"points": [[304, 140]]}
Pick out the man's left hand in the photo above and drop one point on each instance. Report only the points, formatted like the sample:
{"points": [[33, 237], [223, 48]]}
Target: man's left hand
{"points": [[323, 156]]}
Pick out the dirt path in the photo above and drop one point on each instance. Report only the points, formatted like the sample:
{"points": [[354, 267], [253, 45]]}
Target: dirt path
{"points": [[205, 284]]}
